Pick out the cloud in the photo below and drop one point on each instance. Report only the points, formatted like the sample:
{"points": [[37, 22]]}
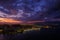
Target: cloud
{"points": [[32, 9]]}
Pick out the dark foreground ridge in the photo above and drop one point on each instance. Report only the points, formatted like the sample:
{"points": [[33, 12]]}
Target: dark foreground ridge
{"points": [[52, 32]]}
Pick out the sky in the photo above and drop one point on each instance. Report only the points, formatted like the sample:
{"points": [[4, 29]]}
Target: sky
{"points": [[28, 10]]}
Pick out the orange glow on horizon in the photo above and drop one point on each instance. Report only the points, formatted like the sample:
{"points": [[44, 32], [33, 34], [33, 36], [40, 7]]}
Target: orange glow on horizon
{"points": [[12, 21], [8, 20]]}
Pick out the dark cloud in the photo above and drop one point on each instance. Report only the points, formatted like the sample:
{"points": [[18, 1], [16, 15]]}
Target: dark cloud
{"points": [[39, 9]]}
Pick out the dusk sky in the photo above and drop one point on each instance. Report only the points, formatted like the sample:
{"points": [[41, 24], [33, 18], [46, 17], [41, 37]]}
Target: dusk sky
{"points": [[30, 9]]}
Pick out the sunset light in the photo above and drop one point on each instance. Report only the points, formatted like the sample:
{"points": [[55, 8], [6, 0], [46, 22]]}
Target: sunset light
{"points": [[8, 20]]}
